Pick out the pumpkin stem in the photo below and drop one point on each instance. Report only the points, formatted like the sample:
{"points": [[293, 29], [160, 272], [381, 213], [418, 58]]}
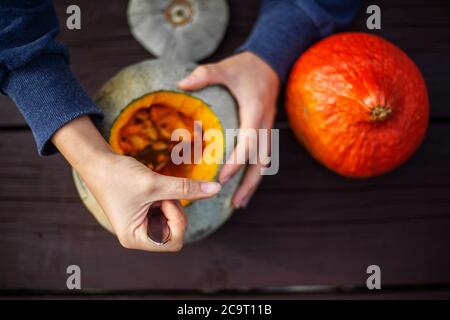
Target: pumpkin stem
{"points": [[179, 12], [380, 113]]}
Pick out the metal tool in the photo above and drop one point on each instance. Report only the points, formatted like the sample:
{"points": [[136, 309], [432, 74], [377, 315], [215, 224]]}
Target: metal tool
{"points": [[158, 231]]}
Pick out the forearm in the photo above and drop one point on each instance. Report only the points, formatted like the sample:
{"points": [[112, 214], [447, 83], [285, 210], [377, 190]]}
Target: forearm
{"points": [[34, 70], [49, 97], [285, 28], [83, 146]]}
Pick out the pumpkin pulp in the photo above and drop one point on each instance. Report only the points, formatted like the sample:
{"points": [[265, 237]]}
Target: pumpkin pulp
{"points": [[144, 128]]}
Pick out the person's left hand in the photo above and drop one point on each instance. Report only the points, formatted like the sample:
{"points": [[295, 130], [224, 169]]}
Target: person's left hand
{"points": [[255, 85]]}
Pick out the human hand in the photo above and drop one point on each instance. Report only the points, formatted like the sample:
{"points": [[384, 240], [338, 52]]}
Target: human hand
{"points": [[255, 85], [126, 189]]}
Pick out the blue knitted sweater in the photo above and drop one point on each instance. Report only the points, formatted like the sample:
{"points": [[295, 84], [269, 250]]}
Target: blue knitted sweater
{"points": [[34, 69]]}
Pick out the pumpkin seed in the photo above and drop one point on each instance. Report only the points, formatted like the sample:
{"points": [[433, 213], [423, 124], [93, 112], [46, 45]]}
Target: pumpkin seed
{"points": [[162, 158], [152, 133], [159, 146], [138, 142], [165, 133]]}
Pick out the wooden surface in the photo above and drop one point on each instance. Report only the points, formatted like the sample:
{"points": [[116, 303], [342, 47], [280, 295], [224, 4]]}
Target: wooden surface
{"points": [[305, 226]]}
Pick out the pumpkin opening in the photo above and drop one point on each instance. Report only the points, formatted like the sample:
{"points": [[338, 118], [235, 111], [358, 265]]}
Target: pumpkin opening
{"points": [[144, 128]]}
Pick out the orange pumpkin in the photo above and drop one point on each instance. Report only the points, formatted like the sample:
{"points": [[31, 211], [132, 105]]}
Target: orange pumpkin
{"points": [[358, 103]]}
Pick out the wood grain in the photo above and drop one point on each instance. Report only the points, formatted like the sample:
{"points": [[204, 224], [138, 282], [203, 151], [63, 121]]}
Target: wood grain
{"points": [[305, 226], [305, 293]]}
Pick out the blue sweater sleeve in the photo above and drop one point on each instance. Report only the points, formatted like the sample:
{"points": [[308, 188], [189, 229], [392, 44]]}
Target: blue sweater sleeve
{"points": [[34, 70], [285, 28]]}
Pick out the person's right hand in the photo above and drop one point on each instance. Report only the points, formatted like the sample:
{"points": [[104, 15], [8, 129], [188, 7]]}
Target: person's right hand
{"points": [[125, 188]]}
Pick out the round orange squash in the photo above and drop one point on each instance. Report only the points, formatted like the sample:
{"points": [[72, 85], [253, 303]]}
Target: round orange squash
{"points": [[358, 103]]}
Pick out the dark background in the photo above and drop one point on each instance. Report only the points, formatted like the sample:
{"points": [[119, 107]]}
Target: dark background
{"points": [[306, 226]]}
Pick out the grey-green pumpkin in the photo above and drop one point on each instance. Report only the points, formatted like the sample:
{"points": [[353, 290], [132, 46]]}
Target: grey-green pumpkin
{"points": [[189, 30], [158, 78]]}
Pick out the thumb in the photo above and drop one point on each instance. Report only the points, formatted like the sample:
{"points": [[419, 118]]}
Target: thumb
{"points": [[201, 77], [173, 188]]}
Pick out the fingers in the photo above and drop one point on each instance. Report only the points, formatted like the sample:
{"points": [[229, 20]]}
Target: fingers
{"points": [[158, 230], [253, 175], [231, 166], [237, 159], [228, 171], [174, 188], [201, 77], [176, 222], [245, 149], [248, 186]]}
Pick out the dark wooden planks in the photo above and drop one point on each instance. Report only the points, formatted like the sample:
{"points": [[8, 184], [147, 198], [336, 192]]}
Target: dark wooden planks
{"points": [[246, 253], [25, 175], [305, 293], [105, 45], [305, 226]]}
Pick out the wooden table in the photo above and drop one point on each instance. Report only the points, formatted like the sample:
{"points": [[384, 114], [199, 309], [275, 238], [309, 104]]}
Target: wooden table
{"points": [[306, 226]]}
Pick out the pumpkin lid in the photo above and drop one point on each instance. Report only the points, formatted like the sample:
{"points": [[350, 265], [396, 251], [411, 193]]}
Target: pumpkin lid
{"points": [[189, 30]]}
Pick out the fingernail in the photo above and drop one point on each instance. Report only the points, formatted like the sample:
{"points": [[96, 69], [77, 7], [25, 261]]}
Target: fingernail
{"points": [[186, 81], [210, 187], [244, 202], [225, 179]]}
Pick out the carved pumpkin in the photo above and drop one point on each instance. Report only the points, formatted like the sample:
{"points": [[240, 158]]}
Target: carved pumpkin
{"points": [[144, 128], [142, 107], [358, 103]]}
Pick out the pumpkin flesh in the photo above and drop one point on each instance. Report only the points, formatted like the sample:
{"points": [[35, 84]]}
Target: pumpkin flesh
{"points": [[144, 128]]}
